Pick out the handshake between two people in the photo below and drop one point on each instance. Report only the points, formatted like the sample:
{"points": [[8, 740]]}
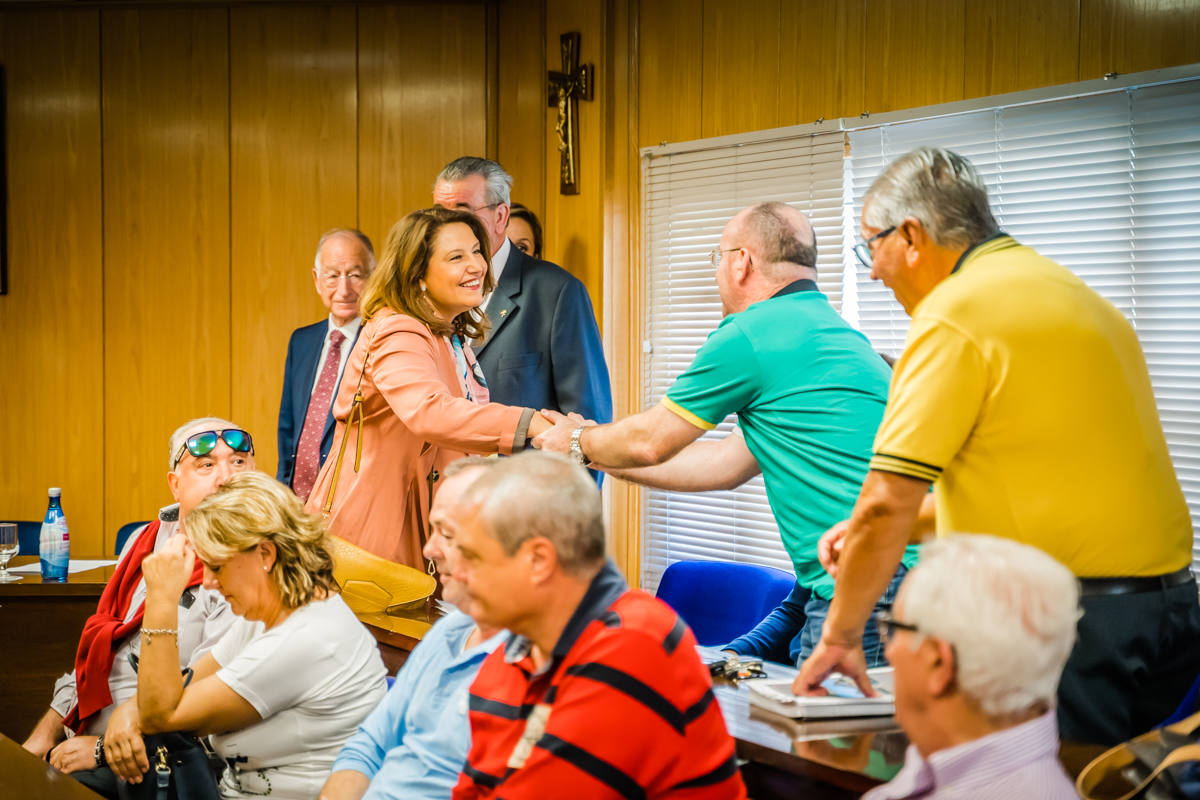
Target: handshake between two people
{"points": [[551, 430]]}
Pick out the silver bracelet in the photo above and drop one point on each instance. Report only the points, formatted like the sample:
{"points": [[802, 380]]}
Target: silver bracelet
{"points": [[150, 633]]}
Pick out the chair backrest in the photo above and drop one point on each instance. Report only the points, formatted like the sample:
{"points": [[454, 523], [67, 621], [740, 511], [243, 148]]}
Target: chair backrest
{"points": [[720, 600], [29, 536], [124, 532]]}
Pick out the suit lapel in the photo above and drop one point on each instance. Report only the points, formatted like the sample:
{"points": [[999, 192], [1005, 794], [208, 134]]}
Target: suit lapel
{"points": [[507, 297], [309, 373]]}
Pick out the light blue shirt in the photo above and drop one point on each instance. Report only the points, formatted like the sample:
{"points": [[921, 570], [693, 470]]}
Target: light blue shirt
{"points": [[415, 743]]}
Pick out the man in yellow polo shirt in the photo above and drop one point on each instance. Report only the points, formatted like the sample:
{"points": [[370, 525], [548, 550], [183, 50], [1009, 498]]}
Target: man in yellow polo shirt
{"points": [[1024, 396]]}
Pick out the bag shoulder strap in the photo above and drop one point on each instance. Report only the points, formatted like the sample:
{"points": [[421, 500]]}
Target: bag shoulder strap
{"points": [[356, 409], [1115, 760]]}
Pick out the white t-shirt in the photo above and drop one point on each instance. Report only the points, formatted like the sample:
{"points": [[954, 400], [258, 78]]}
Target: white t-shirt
{"points": [[314, 677]]}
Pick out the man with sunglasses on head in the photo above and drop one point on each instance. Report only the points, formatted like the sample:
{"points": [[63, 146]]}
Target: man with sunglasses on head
{"points": [[203, 454]]}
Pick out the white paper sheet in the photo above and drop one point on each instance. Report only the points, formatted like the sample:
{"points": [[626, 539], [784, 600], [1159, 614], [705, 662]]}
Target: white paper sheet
{"points": [[75, 565]]}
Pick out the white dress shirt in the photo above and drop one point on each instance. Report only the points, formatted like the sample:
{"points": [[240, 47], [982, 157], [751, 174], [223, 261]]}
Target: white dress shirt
{"points": [[499, 261]]}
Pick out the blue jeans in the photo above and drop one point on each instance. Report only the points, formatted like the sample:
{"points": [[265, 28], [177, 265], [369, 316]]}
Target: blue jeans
{"points": [[817, 609]]}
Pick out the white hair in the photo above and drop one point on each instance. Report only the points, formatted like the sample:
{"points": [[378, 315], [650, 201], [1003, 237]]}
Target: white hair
{"points": [[180, 434], [362, 238], [938, 187], [1009, 610], [498, 183]]}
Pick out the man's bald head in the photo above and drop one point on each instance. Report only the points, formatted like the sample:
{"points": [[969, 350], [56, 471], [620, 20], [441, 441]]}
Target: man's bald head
{"points": [[781, 238]]}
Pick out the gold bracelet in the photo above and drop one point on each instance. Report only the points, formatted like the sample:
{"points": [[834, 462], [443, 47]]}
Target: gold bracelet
{"points": [[150, 633]]}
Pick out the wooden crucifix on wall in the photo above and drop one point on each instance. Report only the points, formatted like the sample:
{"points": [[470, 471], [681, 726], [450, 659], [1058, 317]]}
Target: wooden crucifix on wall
{"points": [[566, 89]]}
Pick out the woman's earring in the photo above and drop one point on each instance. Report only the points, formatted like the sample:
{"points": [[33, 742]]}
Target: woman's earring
{"points": [[423, 288]]}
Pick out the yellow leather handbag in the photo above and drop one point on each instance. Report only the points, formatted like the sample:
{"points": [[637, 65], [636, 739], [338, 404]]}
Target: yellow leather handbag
{"points": [[1141, 769]]}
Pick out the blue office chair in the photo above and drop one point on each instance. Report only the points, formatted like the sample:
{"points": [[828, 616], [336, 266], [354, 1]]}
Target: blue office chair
{"points": [[28, 536], [1189, 706], [124, 532], [720, 600]]}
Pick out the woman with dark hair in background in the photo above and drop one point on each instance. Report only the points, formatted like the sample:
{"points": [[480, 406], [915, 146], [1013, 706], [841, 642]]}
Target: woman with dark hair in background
{"points": [[525, 231]]}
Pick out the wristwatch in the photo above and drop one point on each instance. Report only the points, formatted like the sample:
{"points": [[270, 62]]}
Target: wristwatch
{"points": [[99, 751], [576, 451]]}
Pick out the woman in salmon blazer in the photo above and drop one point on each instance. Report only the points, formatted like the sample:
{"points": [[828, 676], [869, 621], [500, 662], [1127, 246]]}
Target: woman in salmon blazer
{"points": [[412, 397]]}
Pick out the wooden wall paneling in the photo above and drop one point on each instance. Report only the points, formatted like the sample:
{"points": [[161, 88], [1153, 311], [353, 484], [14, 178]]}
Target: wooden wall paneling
{"points": [[51, 320], [574, 224], [422, 73], [521, 123], [166, 242], [1020, 44], [1134, 35], [821, 60], [670, 71], [914, 53], [622, 270], [293, 165], [741, 67]]}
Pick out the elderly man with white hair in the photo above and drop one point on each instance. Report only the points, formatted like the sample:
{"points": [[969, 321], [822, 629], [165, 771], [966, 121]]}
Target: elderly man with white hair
{"points": [[981, 631], [317, 355]]}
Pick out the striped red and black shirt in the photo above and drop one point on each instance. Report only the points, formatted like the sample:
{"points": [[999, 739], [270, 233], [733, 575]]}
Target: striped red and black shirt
{"points": [[623, 708]]}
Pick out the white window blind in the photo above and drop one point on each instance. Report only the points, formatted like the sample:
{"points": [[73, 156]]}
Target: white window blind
{"points": [[688, 196], [1107, 185]]}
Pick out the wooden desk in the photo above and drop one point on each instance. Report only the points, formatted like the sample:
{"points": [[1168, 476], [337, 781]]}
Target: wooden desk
{"points": [[40, 625], [789, 758], [23, 774]]}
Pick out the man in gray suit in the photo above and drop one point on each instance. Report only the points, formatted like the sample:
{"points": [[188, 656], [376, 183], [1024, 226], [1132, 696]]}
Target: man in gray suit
{"points": [[543, 349]]}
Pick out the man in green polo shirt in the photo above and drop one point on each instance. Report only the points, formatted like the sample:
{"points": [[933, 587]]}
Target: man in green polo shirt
{"points": [[808, 391]]}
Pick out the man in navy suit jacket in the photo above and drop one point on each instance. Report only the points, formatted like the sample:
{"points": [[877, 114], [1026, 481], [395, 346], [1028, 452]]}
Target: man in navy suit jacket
{"points": [[543, 349], [344, 260]]}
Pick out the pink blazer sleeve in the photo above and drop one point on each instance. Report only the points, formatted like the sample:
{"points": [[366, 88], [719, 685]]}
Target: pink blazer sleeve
{"points": [[407, 368]]}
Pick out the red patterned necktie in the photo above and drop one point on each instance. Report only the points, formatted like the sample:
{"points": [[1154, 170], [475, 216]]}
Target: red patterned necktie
{"points": [[308, 453]]}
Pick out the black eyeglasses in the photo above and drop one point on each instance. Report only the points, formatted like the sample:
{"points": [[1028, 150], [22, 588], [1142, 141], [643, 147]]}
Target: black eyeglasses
{"points": [[863, 249], [203, 443], [887, 625]]}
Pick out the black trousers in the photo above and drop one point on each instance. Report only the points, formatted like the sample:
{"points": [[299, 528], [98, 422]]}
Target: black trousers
{"points": [[1135, 658]]}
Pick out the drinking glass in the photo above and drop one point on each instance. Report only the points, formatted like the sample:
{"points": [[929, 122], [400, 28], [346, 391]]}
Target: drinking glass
{"points": [[8, 548]]}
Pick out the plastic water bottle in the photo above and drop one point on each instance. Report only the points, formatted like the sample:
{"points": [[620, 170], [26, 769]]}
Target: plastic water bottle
{"points": [[54, 545]]}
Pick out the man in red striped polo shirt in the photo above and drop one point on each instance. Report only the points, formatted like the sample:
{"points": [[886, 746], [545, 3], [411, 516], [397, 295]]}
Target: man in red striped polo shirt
{"points": [[599, 692]]}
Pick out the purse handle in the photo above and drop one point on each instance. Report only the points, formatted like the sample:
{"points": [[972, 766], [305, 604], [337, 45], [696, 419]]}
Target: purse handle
{"points": [[1118, 758], [356, 407]]}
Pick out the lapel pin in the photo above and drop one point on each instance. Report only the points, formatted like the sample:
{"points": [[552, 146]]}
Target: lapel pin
{"points": [[503, 311]]}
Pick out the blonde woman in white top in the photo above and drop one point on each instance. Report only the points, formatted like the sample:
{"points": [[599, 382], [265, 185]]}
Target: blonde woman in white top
{"points": [[291, 680]]}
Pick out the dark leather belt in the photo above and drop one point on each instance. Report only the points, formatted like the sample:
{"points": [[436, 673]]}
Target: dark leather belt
{"points": [[1091, 587]]}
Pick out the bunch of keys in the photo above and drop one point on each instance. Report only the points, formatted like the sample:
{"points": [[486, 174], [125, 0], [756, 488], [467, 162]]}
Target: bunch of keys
{"points": [[734, 668]]}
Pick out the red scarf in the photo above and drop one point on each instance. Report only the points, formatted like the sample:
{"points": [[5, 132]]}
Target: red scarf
{"points": [[106, 629]]}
